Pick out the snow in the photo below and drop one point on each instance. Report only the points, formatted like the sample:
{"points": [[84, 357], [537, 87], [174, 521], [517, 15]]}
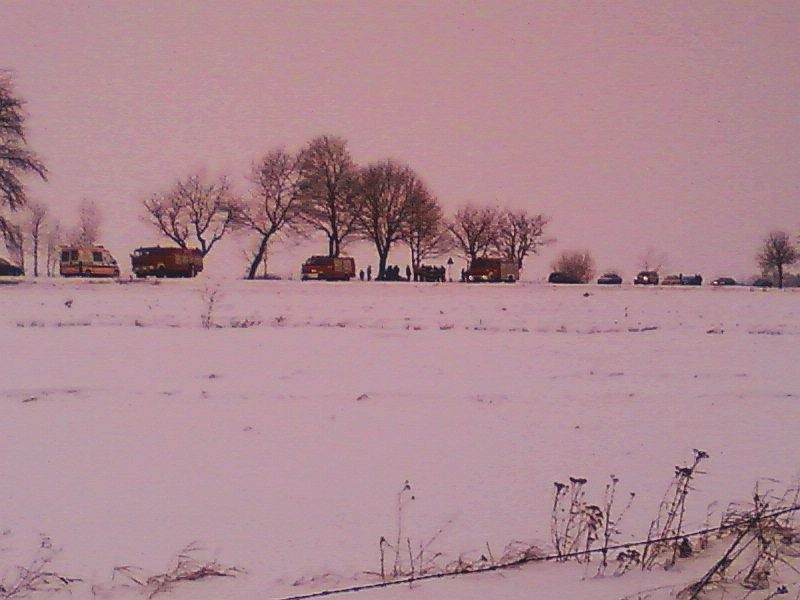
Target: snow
{"points": [[279, 439]]}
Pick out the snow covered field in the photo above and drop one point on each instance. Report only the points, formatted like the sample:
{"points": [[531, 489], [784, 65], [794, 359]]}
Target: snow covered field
{"points": [[278, 440]]}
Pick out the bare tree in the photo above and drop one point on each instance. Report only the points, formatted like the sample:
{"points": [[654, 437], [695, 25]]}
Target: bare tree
{"points": [[777, 252], [90, 219], [576, 264], [274, 202], [15, 157], [14, 238], [474, 230], [53, 239], [425, 232], [36, 227], [653, 260], [329, 189], [386, 193], [194, 210], [519, 234]]}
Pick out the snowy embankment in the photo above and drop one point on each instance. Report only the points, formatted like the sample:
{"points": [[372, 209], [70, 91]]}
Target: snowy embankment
{"points": [[279, 439]]}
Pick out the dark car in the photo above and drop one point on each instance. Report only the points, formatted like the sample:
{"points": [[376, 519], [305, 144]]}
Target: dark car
{"points": [[7, 269], [723, 281], [559, 277], [682, 280], [762, 283], [610, 279], [646, 278]]}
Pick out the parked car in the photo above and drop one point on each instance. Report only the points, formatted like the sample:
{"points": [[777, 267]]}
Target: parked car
{"points": [[8, 269], [610, 279], [166, 262], [646, 278], [695, 279], [328, 268], [492, 270], [762, 282], [559, 277], [87, 261], [719, 281]]}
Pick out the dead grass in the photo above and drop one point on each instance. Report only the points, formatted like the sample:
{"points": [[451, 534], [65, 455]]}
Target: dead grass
{"points": [[36, 577], [185, 568]]}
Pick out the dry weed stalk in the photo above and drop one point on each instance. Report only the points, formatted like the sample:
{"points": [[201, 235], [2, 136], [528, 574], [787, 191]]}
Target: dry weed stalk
{"points": [[612, 524], [667, 528], [210, 295], [576, 526], [765, 539], [417, 562], [36, 577], [186, 568]]}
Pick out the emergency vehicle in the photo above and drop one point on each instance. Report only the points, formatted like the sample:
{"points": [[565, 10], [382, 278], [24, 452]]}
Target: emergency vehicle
{"points": [[492, 270], [328, 268], [87, 261], [166, 262]]}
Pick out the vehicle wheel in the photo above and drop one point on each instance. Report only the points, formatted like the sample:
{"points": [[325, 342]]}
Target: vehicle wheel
{"points": [[161, 273], [510, 279]]}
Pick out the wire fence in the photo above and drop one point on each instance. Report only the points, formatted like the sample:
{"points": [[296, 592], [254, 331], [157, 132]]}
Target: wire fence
{"points": [[526, 559]]}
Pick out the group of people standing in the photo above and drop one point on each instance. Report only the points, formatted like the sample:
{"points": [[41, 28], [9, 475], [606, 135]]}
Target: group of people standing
{"points": [[431, 273], [392, 273]]}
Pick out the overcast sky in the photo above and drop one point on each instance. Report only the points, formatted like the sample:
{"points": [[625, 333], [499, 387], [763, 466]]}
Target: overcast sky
{"points": [[633, 125]]}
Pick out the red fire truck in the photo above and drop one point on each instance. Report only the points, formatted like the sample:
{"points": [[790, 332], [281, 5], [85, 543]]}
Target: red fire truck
{"points": [[328, 268], [493, 270], [166, 262]]}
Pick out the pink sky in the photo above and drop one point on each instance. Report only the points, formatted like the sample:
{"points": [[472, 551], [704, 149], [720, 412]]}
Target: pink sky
{"points": [[672, 125]]}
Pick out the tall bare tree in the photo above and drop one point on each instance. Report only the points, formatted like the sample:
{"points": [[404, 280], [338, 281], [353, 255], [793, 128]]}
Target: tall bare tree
{"points": [[16, 159], [777, 252], [474, 230], [386, 193], [425, 232], [36, 229], [194, 210], [329, 190], [274, 202], [53, 239], [520, 233], [90, 219]]}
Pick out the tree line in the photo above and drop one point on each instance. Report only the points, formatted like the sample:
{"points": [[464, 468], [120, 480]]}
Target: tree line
{"points": [[318, 190]]}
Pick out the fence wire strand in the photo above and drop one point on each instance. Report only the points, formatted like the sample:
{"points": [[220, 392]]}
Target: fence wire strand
{"points": [[532, 559]]}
